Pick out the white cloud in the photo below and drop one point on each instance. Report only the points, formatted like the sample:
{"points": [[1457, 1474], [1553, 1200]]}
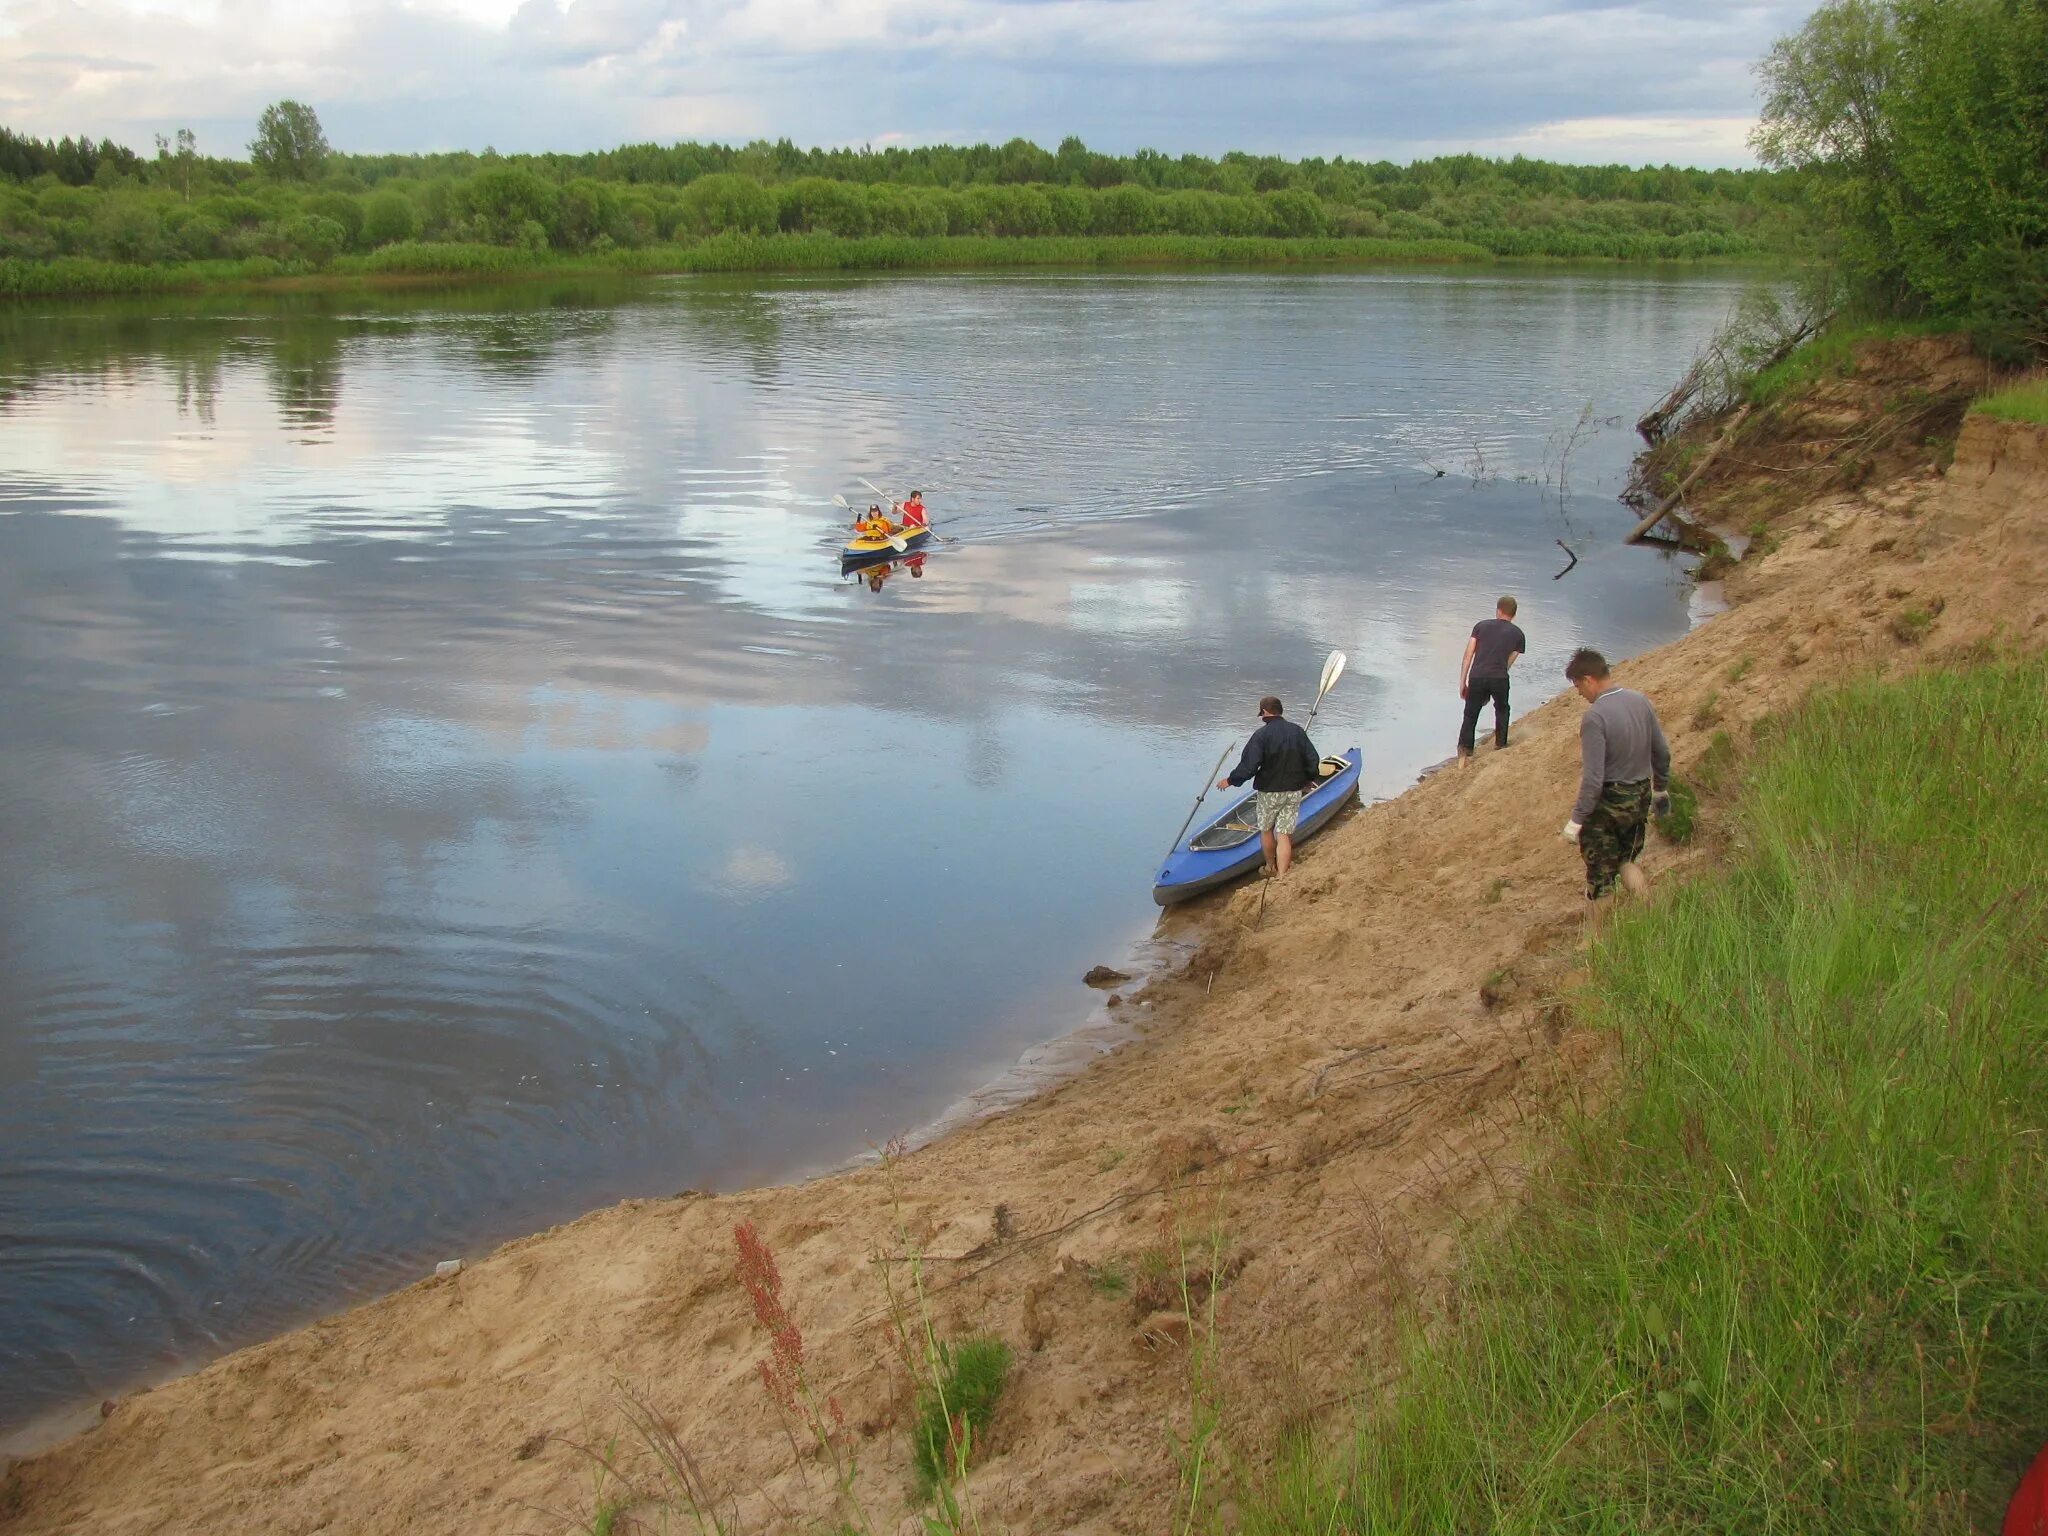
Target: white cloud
{"points": [[750, 873], [1679, 140], [1573, 78]]}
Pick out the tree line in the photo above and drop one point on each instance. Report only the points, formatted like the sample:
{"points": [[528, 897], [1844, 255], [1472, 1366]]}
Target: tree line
{"points": [[74, 162], [1921, 128], [293, 199]]}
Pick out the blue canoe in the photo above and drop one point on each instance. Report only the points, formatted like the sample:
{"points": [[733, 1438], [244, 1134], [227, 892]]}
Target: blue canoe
{"points": [[1226, 848]]}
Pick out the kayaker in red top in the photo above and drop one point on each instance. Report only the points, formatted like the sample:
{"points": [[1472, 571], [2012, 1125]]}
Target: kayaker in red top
{"points": [[913, 511]]}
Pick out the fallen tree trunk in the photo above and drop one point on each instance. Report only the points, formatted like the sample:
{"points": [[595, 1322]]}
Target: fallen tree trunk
{"points": [[1670, 503]]}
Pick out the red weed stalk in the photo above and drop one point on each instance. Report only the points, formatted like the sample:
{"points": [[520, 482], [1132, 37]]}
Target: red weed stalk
{"points": [[782, 1373]]}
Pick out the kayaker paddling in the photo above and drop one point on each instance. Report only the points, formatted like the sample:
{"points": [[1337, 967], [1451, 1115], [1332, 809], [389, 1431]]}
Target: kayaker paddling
{"points": [[1281, 763], [913, 511]]}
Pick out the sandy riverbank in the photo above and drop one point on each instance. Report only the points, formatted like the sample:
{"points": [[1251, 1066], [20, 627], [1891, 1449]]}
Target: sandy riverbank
{"points": [[1345, 1076]]}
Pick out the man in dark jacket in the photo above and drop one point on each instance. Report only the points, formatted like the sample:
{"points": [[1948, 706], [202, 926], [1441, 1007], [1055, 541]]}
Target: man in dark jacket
{"points": [[1282, 763]]}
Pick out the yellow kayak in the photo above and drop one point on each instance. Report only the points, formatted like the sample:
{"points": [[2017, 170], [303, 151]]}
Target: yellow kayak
{"points": [[864, 545]]}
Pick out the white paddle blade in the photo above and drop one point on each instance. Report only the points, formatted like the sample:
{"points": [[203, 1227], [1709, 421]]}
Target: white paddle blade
{"points": [[896, 543], [842, 503], [1332, 670]]}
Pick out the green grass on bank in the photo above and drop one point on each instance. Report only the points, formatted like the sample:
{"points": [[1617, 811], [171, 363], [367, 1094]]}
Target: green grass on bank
{"points": [[1832, 354], [1795, 1277], [2025, 401], [81, 277]]}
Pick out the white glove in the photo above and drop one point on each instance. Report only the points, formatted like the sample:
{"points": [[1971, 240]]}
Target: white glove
{"points": [[1571, 832]]}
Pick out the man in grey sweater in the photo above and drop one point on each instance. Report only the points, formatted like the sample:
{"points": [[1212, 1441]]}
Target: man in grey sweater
{"points": [[1624, 776]]}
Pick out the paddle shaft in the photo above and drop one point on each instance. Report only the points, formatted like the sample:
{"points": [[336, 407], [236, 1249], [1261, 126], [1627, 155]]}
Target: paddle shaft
{"points": [[1183, 832]]}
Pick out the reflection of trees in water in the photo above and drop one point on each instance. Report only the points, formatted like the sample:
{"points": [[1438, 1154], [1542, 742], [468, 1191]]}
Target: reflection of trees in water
{"points": [[301, 339], [107, 348], [515, 332], [522, 346], [741, 321], [198, 382], [305, 365]]}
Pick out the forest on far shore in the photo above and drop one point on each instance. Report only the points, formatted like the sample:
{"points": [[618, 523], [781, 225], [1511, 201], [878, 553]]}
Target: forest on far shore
{"points": [[294, 204]]}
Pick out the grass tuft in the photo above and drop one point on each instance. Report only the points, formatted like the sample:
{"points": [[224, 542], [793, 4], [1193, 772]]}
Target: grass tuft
{"points": [[1682, 823], [1794, 1279], [1910, 625], [1711, 773], [954, 1411], [2026, 401]]}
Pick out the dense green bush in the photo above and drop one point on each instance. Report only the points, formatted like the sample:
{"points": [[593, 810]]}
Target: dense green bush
{"points": [[722, 202], [504, 201], [312, 238], [1920, 125], [389, 218], [340, 208]]}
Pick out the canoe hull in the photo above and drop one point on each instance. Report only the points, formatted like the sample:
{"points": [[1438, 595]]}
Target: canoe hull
{"points": [[1188, 872], [865, 551]]}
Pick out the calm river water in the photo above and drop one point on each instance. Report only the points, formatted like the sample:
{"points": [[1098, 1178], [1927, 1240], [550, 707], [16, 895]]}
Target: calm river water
{"points": [[445, 782]]}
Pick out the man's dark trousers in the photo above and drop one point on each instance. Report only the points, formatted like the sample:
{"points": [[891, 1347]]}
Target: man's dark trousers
{"points": [[1477, 691]]}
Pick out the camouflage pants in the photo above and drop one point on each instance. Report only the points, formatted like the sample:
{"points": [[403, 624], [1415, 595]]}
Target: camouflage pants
{"points": [[1280, 810], [1613, 834]]}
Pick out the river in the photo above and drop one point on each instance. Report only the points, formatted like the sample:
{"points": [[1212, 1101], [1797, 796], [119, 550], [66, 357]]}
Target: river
{"points": [[446, 782]]}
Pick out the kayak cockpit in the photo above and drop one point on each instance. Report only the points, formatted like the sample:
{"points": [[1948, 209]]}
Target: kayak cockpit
{"points": [[1241, 821]]}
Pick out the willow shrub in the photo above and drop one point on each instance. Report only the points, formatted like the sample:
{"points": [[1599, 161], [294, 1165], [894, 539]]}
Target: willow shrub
{"points": [[1968, 204], [1918, 125], [1795, 1277]]}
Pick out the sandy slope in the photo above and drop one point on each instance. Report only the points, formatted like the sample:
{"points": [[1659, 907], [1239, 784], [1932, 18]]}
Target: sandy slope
{"points": [[1348, 1077]]}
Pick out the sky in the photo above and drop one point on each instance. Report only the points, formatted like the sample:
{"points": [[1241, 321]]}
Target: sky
{"points": [[1581, 80]]}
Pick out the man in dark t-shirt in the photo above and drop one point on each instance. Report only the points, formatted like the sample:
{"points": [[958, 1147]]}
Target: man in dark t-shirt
{"points": [[1496, 644]]}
